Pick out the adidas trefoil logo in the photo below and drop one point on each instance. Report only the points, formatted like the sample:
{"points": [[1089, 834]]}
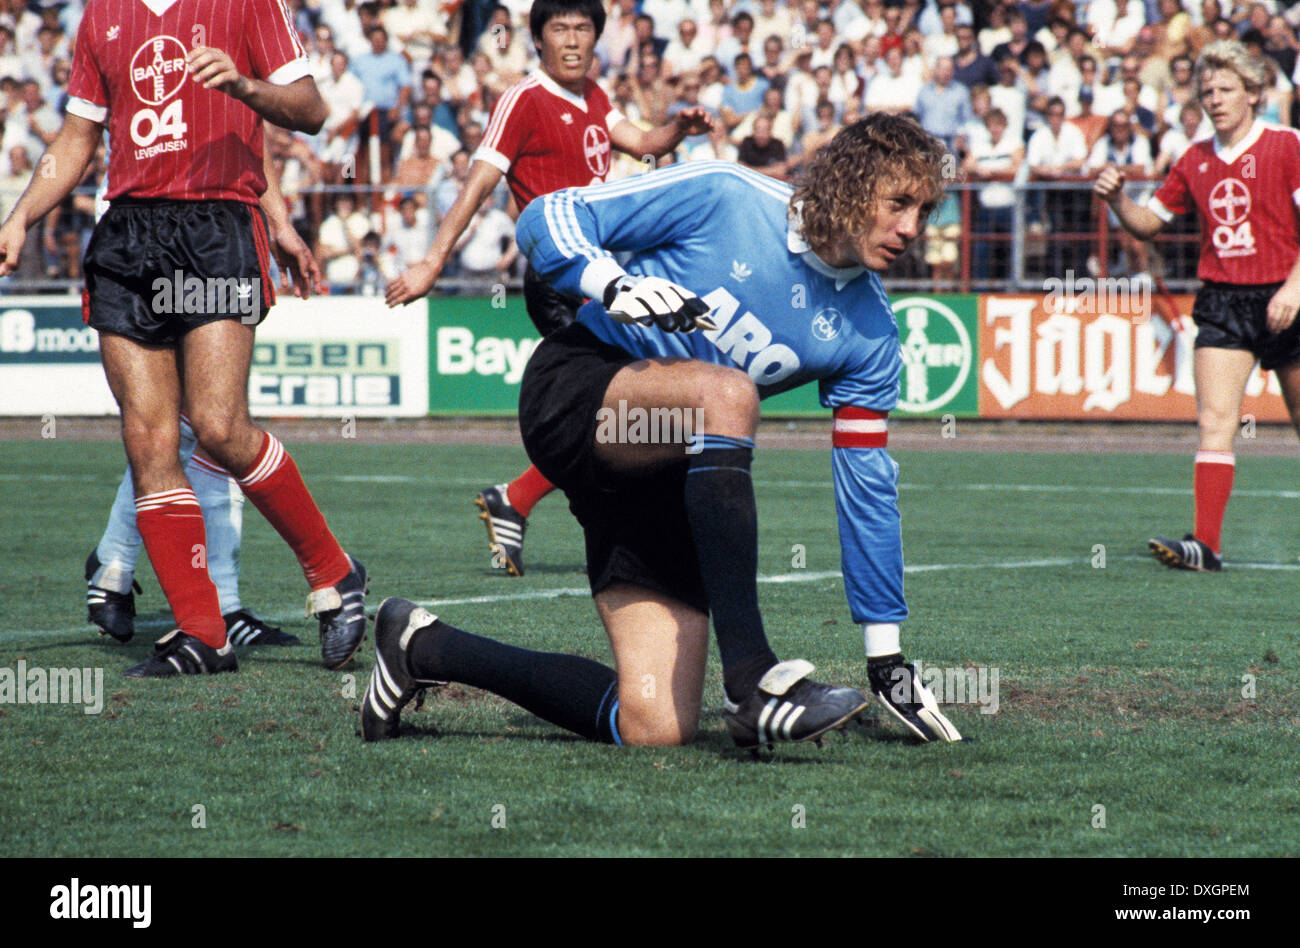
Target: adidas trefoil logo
{"points": [[739, 271], [113, 33]]}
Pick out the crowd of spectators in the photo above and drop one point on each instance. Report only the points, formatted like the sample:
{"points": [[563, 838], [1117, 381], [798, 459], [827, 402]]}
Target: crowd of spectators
{"points": [[1046, 90]]}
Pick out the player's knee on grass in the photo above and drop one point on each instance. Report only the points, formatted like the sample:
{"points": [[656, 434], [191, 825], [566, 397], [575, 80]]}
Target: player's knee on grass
{"points": [[640, 724], [658, 710]]}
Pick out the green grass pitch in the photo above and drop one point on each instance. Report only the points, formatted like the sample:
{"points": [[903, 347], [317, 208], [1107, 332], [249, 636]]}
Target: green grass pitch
{"points": [[1141, 712]]}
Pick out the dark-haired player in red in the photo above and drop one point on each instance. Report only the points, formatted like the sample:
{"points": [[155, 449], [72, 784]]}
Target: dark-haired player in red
{"points": [[177, 276], [552, 130], [1244, 184]]}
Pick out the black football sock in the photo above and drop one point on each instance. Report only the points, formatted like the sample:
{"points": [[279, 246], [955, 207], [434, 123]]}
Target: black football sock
{"points": [[574, 692], [724, 524]]}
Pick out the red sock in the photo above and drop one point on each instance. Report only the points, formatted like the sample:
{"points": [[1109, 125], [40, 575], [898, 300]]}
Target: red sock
{"points": [[1212, 486], [171, 524], [275, 487], [527, 489]]}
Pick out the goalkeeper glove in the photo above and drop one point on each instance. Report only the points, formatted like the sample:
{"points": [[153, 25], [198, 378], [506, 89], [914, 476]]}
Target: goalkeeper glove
{"points": [[654, 301]]}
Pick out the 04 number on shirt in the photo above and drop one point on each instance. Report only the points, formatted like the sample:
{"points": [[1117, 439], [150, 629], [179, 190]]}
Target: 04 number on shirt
{"points": [[147, 126], [1226, 237]]}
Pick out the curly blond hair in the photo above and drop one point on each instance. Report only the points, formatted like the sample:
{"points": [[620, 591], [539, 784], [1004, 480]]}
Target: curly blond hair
{"points": [[1233, 56], [841, 184]]}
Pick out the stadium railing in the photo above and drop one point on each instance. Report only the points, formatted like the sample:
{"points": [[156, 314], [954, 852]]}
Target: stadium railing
{"points": [[1051, 230]]}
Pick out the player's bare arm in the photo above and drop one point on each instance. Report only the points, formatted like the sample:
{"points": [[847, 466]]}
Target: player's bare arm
{"points": [[637, 142], [305, 272], [60, 170], [418, 280], [297, 106], [1139, 221]]}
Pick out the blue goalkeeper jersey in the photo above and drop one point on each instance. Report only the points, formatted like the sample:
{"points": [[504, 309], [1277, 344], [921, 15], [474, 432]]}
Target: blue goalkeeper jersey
{"points": [[783, 316]]}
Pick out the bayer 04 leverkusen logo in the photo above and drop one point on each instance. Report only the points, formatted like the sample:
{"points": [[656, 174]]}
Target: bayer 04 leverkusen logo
{"points": [[158, 69], [937, 354], [595, 148]]}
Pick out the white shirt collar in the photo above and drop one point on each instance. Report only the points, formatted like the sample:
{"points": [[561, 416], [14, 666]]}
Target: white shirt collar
{"points": [[1230, 155], [794, 240], [554, 88], [159, 7]]}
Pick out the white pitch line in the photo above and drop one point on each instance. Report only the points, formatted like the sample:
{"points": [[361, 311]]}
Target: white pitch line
{"points": [[775, 579], [794, 485]]}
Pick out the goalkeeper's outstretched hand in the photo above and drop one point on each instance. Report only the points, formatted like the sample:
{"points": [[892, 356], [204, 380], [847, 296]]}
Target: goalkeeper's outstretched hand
{"points": [[654, 301]]}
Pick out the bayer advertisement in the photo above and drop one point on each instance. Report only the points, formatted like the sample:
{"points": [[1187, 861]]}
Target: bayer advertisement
{"points": [[478, 349]]}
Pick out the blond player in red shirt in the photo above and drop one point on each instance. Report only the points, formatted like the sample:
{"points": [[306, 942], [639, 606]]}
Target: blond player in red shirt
{"points": [[177, 276], [552, 130], [1244, 184]]}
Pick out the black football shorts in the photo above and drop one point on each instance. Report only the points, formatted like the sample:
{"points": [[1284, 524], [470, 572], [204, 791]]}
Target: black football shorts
{"points": [[155, 269], [635, 526], [1233, 316], [548, 308]]}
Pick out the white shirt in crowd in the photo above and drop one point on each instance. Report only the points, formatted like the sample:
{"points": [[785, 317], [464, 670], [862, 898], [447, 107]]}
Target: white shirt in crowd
{"points": [[1050, 151], [483, 250]]}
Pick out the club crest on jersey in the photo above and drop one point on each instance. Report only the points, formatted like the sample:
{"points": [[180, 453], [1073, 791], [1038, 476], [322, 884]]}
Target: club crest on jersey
{"points": [[826, 324], [595, 147], [158, 69], [1229, 202]]}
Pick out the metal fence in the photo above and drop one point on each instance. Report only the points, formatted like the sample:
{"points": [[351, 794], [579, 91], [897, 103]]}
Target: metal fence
{"points": [[991, 236]]}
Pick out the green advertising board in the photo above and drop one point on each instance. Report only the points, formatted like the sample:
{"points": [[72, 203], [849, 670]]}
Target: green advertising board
{"points": [[36, 331], [478, 347]]}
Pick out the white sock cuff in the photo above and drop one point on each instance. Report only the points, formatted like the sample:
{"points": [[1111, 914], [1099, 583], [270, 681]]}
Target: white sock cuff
{"points": [[1216, 457], [271, 460], [881, 638], [181, 496]]}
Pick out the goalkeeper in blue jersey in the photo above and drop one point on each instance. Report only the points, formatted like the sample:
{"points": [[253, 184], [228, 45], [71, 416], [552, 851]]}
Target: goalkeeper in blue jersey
{"points": [[712, 287]]}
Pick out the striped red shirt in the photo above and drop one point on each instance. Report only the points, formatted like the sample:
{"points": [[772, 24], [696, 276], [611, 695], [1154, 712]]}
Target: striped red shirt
{"points": [[169, 137], [544, 137], [1246, 198]]}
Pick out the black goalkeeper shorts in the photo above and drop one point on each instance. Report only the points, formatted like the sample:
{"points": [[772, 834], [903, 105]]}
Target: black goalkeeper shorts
{"points": [[155, 269], [1233, 316], [636, 527], [548, 308]]}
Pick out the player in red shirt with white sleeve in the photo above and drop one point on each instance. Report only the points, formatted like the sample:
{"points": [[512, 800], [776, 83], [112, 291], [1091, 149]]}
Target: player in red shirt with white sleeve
{"points": [[550, 131], [177, 276], [1244, 184]]}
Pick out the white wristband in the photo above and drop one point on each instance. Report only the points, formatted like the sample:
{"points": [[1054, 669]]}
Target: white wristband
{"points": [[598, 275]]}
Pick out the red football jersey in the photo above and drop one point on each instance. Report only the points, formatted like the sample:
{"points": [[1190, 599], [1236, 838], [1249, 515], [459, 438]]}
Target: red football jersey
{"points": [[1246, 198], [543, 137], [168, 136]]}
